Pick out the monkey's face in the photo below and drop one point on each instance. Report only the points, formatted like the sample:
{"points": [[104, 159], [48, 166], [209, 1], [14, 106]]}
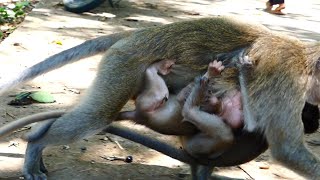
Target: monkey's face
{"points": [[314, 87]]}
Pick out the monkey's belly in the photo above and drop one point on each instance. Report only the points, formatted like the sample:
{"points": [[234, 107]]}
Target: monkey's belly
{"points": [[232, 110]]}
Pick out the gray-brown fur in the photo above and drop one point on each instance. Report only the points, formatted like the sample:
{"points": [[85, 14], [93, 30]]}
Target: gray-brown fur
{"points": [[282, 66]]}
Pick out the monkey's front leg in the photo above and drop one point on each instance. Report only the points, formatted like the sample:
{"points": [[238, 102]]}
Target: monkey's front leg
{"points": [[243, 64], [33, 162]]}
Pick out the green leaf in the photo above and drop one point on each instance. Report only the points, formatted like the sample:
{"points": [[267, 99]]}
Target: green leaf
{"points": [[20, 5], [19, 13], [42, 97], [21, 99], [3, 13], [22, 95]]}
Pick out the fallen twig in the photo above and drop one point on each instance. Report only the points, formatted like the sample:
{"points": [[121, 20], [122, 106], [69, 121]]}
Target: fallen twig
{"points": [[22, 129], [11, 115], [245, 172], [117, 143]]}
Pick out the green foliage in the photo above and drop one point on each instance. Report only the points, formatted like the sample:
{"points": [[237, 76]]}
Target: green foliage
{"points": [[11, 12], [3, 13], [18, 10], [42, 97], [26, 98]]}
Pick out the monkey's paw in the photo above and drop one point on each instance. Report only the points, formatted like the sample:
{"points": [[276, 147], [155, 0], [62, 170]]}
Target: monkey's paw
{"points": [[35, 176], [215, 68]]}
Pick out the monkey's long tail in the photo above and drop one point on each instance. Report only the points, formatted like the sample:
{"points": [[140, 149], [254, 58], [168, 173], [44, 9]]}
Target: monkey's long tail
{"points": [[20, 123], [155, 144], [86, 49]]}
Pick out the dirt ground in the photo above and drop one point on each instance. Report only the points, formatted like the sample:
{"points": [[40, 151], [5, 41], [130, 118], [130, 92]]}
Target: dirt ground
{"points": [[49, 29]]}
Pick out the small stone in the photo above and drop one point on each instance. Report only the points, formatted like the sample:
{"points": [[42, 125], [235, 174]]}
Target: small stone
{"points": [[264, 166], [65, 147], [128, 159], [11, 6]]}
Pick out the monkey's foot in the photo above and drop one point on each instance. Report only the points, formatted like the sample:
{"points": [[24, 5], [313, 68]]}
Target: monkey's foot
{"points": [[35, 176], [33, 165]]}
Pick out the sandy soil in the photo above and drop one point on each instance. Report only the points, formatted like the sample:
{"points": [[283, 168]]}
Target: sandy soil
{"points": [[49, 29]]}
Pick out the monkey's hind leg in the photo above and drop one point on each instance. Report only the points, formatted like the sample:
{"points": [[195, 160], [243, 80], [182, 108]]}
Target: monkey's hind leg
{"points": [[200, 172], [40, 129], [34, 167], [33, 156], [32, 137]]}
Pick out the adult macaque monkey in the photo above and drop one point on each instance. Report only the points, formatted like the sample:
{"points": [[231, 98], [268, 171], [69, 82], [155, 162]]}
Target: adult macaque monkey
{"points": [[277, 90], [310, 117]]}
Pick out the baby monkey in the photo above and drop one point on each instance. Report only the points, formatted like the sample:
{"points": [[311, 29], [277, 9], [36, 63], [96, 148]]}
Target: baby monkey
{"points": [[215, 117], [154, 108]]}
